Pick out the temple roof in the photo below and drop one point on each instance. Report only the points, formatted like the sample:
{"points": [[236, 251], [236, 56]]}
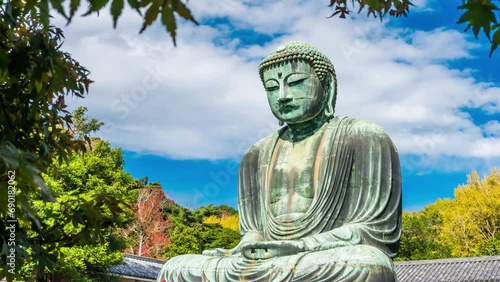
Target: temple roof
{"points": [[484, 269], [478, 269], [137, 266]]}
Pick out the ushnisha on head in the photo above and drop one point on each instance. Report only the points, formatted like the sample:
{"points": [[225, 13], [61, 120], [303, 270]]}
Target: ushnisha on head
{"points": [[293, 52]]}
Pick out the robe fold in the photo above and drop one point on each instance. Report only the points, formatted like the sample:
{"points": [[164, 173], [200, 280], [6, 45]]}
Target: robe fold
{"points": [[351, 229]]}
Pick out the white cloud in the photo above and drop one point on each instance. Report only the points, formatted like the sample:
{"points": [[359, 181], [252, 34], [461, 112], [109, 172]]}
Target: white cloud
{"points": [[205, 100], [492, 128]]}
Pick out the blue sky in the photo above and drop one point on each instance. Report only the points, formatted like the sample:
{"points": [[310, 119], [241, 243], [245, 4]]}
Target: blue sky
{"points": [[184, 116]]}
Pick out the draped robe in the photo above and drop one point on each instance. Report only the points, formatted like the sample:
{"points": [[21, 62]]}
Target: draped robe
{"points": [[350, 231]]}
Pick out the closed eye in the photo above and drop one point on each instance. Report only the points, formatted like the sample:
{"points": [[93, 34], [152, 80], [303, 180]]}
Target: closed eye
{"points": [[272, 88], [296, 82], [272, 85], [296, 78]]}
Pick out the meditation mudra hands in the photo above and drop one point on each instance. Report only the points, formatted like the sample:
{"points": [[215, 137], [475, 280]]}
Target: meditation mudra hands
{"points": [[261, 249]]}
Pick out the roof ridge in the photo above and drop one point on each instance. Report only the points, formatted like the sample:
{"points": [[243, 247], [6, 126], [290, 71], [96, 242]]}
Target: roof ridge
{"points": [[449, 260], [145, 258]]}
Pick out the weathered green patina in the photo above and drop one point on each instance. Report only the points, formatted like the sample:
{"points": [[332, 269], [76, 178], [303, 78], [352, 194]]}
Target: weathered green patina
{"points": [[319, 200]]}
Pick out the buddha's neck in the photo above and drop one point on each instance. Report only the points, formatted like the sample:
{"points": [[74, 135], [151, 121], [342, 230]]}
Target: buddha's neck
{"points": [[301, 131]]}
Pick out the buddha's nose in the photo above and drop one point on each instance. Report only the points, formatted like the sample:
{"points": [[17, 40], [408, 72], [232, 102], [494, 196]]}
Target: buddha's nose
{"points": [[283, 95]]}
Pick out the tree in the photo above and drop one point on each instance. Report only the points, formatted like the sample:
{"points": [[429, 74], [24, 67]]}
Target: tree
{"points": [[84, 125], [191, 234], [468, 225], [74, 234], [419, 235], [472, 224], [478, 14], [35, 77], [148, 9], [226, 221], [92, 200], [146, 234], [194, 238]]}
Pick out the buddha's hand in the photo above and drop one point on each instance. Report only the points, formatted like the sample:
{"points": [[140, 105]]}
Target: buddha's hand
{"points": [[219, 252], [249, 238], [271, 249]]}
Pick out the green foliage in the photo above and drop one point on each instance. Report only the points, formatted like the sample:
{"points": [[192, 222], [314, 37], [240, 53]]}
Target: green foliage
{"points": [[184, 239], [182, 215], [83, 125], [478, 14], [230, 221], [90, 262], [468, 225], [189, 235], [419, 236], [219, 237], [116, 10], [148, 9], [491, 246], [226, 208], [35, 78], [472, 223], [72, 233], [178, 215], [92, 200], [84, 264], [202, 212], [375, 8], [194, 238]]}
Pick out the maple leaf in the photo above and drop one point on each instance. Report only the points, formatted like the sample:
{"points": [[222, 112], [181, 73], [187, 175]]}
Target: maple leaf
{"points": [[496, 39], [479, 14]]}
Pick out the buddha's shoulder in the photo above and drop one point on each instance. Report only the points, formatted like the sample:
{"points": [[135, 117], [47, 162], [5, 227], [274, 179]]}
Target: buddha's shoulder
{"points": [[355, 126], [351, 127], [263, 143]]}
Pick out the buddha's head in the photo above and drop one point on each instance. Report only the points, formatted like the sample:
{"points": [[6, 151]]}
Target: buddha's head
{"points": [[300, 83]]}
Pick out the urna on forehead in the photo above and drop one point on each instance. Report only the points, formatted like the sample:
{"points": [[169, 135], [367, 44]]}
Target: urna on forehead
{"points": [[298, 51]]}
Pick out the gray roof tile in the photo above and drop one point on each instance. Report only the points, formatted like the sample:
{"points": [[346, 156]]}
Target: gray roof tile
{"points": [[137, 266], [479, 269]]}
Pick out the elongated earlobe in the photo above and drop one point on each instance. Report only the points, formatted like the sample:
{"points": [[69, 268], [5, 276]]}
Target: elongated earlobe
{"points": [[330, 107], [329, 110]]}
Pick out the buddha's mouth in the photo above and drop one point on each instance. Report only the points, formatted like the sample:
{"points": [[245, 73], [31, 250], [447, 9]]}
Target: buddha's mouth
{"points": [[287, 108]]}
